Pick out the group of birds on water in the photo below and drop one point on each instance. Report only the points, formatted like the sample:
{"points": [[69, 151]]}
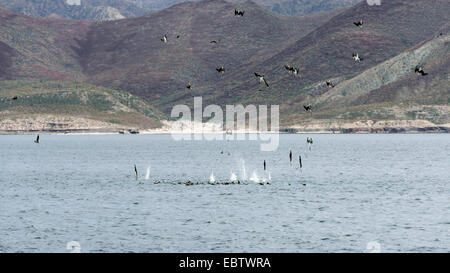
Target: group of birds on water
{"points": [[309, 141], [291, 69]]}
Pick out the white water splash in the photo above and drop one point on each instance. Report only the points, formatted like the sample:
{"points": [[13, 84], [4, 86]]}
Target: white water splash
{"points": [[212, 179], [254, 177], [147, 174], [243, 171], [233, 177]]}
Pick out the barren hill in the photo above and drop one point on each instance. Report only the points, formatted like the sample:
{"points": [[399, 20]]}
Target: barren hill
{"points": [[129, 55]]}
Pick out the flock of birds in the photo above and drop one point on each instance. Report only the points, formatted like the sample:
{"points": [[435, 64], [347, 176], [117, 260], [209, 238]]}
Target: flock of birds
{"points": [[291, 69], [262, 80]]}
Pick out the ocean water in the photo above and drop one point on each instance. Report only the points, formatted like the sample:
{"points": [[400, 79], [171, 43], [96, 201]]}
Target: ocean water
{"points": [[391, 191]]}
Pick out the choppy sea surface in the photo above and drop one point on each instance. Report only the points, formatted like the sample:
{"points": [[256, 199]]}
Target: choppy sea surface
{"points": [[387, 191]]}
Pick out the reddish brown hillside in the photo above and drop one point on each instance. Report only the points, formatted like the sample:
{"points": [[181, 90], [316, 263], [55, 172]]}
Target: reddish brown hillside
{"points": [[39, 48]]}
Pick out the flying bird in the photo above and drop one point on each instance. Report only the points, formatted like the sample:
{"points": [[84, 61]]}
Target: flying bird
{"points": [[135, 171], [37, 140], [14, 98], [221, 69], [264, 165], [356, 57], [300, 161], [164, 39], [359, 24], [308, 108], [330, 84], [292, 69], [239, 12], [419, 70], [290, 156], [309, 140], [178, 36], [189, 86], [261, 79]]}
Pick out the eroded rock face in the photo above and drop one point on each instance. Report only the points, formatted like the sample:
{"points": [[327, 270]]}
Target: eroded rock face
{"points": [[53, 123], [71, 9]]}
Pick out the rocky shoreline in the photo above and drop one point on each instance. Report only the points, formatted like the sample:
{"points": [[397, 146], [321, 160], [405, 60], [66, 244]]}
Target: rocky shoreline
{"points": [[356, 130]]}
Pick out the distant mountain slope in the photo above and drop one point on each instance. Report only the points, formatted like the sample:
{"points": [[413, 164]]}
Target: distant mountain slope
{"points": [[56, 105], [117, 9], [302, 7], [96, 10], [129, 54], [326, 53], [39, 48]]}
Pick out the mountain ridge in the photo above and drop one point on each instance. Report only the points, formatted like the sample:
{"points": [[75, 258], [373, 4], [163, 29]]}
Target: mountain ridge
{"points": [[129, 55]]}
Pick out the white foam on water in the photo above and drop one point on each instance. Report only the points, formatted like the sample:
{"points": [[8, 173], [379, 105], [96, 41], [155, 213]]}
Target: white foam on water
{"points": [[147, 174], [233, 177], [243, 171], [254, 177], [212, 179]]}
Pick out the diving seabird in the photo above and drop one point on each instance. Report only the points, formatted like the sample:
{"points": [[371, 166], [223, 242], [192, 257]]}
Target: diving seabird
{"points": [[419, 70], [239, 12], [164, 39], [308, 108], [261, 79], [135, 171], [292, 69], [359, 24], [37, 139], [221, 69], [356, 57], [330, 84], [264, 165], [290, 156], [300, 161]]}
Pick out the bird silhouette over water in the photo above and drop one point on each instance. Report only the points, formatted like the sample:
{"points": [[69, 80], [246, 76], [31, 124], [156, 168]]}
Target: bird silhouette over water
{"points": [[37, 140], [300, 161], [264, 165], [290, 156], [136, 171], [308, 108]]}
